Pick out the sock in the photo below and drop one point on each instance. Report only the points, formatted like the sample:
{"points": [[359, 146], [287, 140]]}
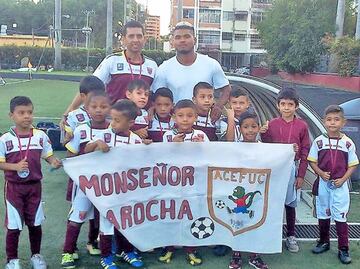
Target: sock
{"points": [[105, 245], [343, 235], [71, 237], [290, 220], [12, 243], [35, 235], [324, 227]]}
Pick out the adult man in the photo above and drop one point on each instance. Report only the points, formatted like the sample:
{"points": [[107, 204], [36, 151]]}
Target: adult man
{"points": [[118, 69], [182, 72]]}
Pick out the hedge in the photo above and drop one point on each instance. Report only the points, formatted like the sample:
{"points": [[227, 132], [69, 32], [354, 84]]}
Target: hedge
{"points": [[72, 58]]}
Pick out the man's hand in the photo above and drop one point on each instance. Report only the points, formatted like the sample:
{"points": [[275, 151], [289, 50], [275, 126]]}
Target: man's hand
{"points": [[299, 182], [264, 128], [151, 113], [179, 137], [102, 146], [22, 165], [143, 132], [215, 113], [230, 114]]}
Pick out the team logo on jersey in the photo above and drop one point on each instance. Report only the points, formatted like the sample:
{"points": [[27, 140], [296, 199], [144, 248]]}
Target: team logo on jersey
{"points": [[80, 117], [120, 66], [150, 70], [137, 141], [9, 145], [107, 137], [319, 144], [348, 144], [82, 134], [169, 138], [238, 197]]}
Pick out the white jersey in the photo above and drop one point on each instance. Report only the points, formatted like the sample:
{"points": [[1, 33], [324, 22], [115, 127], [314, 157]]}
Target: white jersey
{"points": [[75, 118], [141, 121], [181, 79], [158, 127], [223, 129], [190, 137], [112, 139]]}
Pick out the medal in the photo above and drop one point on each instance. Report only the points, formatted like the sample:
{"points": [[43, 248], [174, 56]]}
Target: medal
{"points": [[26, 172], [331, 184]]}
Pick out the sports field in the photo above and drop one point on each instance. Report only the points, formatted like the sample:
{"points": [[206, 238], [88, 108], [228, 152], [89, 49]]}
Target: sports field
{"points": [[50, 99]]}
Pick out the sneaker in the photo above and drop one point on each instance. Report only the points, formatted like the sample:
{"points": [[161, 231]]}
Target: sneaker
{"points": [[344, 256], [194, 258], [321, 247], [236, 262], [13, 264], [38, 262], [220, 250], [67, 261], [93, 249], [132, 258], [257, 262], [166, 256], [108, 262], [291, 244]]}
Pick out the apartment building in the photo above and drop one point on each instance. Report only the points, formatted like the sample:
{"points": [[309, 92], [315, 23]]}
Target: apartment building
{"points": [[152, 26]]}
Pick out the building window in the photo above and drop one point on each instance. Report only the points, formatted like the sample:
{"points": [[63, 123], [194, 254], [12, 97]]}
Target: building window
{"points": [[241, 16], [240, 37], [262, 1], [255, 42], [207, 38], [228, 16], [188, 13], [256, 17], [209, 16], [227, 36]]}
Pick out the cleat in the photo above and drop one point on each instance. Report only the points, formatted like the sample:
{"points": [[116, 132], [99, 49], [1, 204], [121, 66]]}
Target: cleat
{"points": [[194, 259], [67, 261], [132, 258], [166, 256], [93, 249], [257, 262], [321, 247], [236, 262], [291, 244], [108, 262], [13, 264], [344, 256], [38, 262]]}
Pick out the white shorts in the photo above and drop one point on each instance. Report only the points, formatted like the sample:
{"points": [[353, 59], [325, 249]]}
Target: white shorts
{"points": [[332, 203], [80, 203]]}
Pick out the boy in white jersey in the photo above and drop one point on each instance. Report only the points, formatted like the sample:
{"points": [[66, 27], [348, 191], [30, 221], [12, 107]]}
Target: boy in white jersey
{"points": [[82, 209], [203, 98], [138, 91], [162, 122], [123, 114], [185, 115], [333, 158]]}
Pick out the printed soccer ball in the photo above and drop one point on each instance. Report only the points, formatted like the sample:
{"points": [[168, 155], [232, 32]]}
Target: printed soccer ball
{"points": [[220, 204], [202, 228]]}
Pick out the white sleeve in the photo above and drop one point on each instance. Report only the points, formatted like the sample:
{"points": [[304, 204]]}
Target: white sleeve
{"points": [[103, 71], [167, 136], [160, 79], [47, 150], [223, 127], [313, 153], [206, 139], [352, 159], [74, 144], [2, 151], [219, 79]]}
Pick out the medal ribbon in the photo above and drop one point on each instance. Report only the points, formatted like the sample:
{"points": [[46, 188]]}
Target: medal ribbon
{"points": [[20, 146]]}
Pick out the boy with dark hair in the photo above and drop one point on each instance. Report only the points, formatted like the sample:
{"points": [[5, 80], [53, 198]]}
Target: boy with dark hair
{"points": [[81, 208], [123, 114], [203, 98], [333, 158], [162, 122], [288, 129], [21, 151]]}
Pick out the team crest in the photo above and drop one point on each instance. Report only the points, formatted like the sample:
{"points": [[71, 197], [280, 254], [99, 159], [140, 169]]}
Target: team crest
{"points": [[169, 138], [238, 197], [137, 141], [120, 66], [9, 145], [80, 117], [82, 134], [348, 144], [107, 137], [319, 144], [150, 70]]}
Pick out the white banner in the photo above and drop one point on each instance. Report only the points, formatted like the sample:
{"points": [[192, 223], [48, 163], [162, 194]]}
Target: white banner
{"points": [[190, 194]]}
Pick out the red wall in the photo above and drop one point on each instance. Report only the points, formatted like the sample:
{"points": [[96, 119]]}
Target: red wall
{"points": [[326, 80]]}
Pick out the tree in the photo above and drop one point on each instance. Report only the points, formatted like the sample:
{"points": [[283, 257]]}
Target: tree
{"points": [[293, 29]]}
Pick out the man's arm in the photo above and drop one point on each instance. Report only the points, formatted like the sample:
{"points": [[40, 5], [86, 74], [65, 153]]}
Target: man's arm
{"points": [[76, 102], [220, 103]]}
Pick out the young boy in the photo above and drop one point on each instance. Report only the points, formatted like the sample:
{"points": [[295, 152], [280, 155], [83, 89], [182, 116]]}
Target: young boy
{"points": [[185, 115], [82, 209], [138, 91], [203, 98], [239, 102], [123, 114], [162, 121], [249, 128], [21, 150], [333, 158], [288, 129]]}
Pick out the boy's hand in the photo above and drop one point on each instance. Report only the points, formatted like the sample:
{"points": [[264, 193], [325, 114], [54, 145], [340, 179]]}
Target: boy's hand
{"points": [[22, 165], [339, 182], [296, 147], [299, 182], [151, 113], [179, 137], [264, 128], [325, 175], [56, 163], [147, 141], [101, 145], [82, 215], [230, 114], [198, 138], [143, 133]]}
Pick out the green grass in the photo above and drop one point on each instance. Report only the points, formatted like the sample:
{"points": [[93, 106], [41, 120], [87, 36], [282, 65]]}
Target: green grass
{"points": [[68, 73], [50, 99]]}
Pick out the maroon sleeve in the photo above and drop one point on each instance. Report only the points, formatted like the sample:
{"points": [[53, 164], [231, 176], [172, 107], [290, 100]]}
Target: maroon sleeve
{"points": [[304, 149]]}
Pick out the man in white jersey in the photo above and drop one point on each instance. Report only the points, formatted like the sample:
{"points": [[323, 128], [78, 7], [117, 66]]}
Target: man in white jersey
{"points": [[182, 72]]}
